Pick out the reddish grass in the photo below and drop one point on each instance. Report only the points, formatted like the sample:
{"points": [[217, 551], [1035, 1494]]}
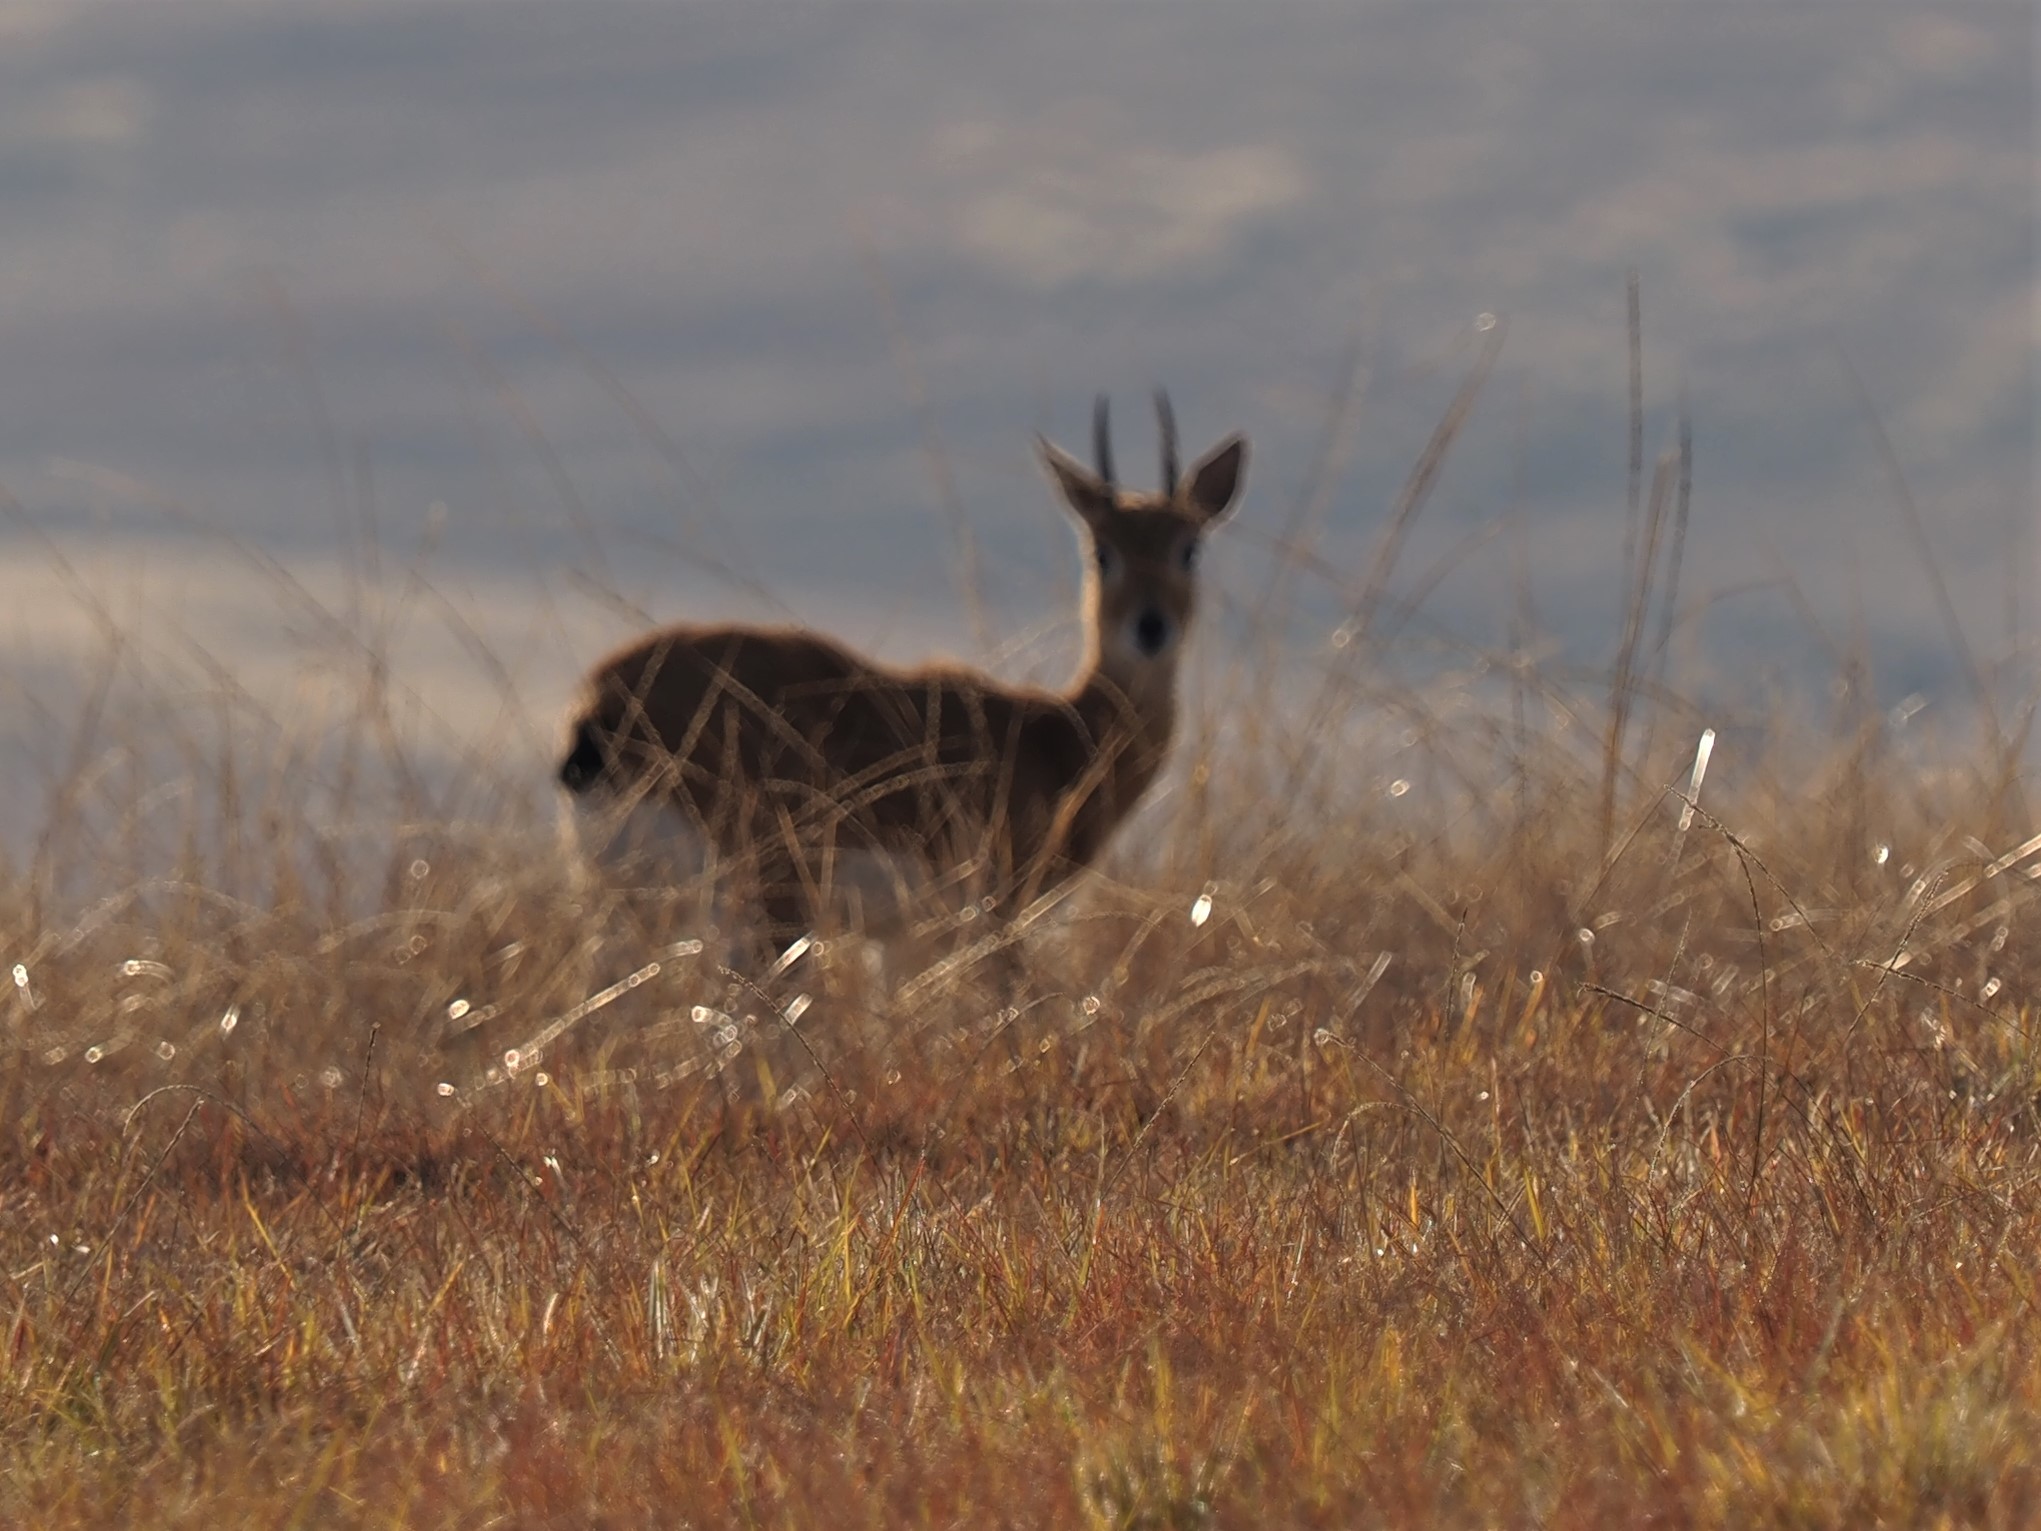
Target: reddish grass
{"points": [[1713, 1220]]}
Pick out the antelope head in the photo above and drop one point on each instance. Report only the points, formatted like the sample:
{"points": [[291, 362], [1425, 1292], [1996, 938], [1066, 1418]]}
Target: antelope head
{"points": [[1141, 550]]}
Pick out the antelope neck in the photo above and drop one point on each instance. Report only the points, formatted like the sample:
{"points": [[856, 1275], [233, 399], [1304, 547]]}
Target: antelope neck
{"points": [[1143, 712]]}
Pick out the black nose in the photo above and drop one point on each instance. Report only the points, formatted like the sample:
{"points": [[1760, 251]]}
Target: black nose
{"points": [[1151, 631]]}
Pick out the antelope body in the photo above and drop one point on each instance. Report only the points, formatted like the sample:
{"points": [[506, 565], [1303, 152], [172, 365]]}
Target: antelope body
{"points": [[783, 761]]}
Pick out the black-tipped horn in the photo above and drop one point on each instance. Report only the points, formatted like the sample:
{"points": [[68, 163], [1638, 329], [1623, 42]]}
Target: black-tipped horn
{"points": [[1165, 417], [1102, 439]]}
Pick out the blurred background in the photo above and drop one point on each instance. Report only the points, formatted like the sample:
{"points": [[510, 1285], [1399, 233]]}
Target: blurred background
{"points": [[451, 341]]}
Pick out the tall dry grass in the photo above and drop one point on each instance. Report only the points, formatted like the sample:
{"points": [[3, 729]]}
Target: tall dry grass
{"points": [[1453, 1105]]}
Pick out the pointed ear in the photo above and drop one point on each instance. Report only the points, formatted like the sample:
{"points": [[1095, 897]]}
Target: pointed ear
{"points": [[1082, 490], [1214, 480]]}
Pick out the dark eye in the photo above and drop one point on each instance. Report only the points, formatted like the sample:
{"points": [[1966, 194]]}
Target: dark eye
{"points": [[1108, 559], [1187, 555]]}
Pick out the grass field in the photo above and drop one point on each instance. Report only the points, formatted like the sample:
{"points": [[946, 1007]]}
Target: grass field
{"points": [[1468, 1131]]}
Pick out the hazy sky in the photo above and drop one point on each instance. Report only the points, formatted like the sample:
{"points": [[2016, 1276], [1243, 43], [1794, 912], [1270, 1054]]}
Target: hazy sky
{"points": [[293, 274]]}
